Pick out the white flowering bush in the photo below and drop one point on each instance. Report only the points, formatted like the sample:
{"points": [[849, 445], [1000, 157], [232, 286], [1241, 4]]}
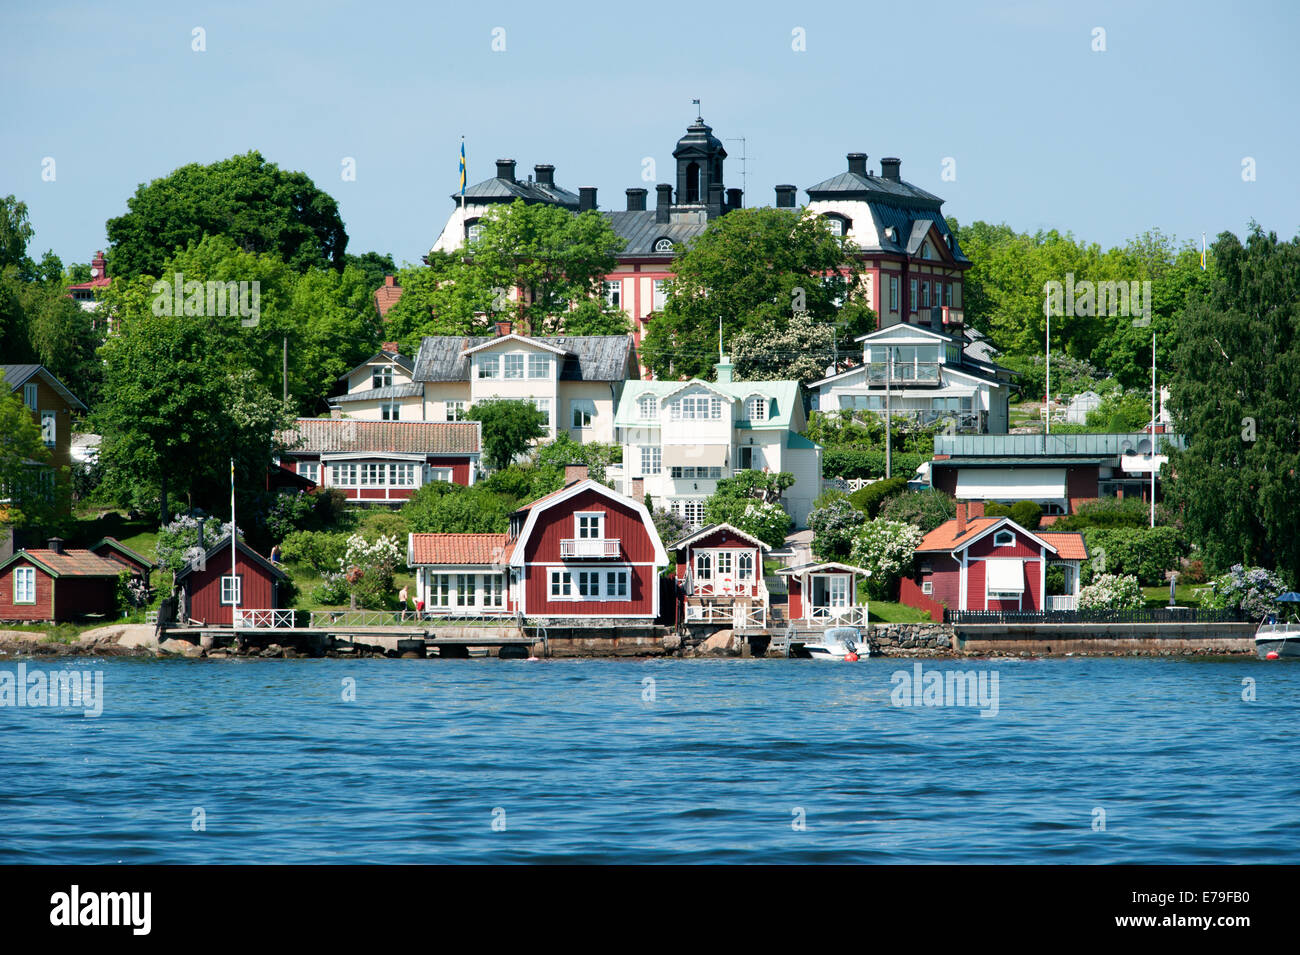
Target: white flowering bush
{"points": [[1111, 592], [887, 549], [178, 542], [368, 568]]}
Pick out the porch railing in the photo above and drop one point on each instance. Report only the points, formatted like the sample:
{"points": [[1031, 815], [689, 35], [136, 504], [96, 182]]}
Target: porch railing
{"points": [[264, 619], [737, 616], [590, 547], [845, 616], [1098, 615], [1066, 602]]}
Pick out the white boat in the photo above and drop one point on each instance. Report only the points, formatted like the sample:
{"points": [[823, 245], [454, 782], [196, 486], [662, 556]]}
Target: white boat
{"points": [[1275, 639], [838, 643]]}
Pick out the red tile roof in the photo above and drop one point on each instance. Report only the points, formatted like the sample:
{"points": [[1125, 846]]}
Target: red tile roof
{"points": [[386, 295], [74, 563], [945, 537], [405, 437], [1069, 544], [460, 548]]}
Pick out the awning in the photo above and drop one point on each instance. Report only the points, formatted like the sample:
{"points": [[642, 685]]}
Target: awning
{"points": [[1005, 575], [696, 455], [1011, 484]]}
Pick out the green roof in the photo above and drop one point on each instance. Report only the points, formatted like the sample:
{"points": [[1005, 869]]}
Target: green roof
{"points": [[783, 400]]}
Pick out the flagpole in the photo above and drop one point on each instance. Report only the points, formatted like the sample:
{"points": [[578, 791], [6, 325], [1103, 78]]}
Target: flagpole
{"points": [[1153, 429], [234, 574]]}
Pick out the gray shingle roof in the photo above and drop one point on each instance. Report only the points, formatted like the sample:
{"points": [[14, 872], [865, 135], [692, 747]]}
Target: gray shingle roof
{"points": [[316, 435], [506, 190], [587, 358], [377, 394], [872, 187], [641, 231], [17, 375]]}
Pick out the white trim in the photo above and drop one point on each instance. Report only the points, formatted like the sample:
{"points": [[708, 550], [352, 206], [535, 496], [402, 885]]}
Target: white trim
{"points": [[993, 527], [517, 556], [515, 336], [713, 528]]}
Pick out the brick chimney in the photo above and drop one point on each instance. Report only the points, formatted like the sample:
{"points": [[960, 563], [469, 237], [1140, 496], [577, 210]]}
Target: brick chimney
{"points": [[504, 328], [390, 281], [961, 518], [390, 347], [976, 509], [638, 489], [574, 472], [545, 174]]}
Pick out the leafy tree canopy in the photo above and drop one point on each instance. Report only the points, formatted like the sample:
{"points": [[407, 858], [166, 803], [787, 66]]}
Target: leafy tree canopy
{"points": [[509, 426]]}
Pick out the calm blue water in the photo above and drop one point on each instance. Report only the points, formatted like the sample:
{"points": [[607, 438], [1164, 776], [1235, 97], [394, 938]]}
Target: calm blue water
{"points": [[712, 770]]}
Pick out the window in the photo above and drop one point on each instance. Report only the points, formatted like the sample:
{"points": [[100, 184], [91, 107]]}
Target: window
{"points": [[464, 590], [663, 245], [561, 585], [382, 377], [836, 224], [539, 366], [648, 406], [374, 475], [912, 297], [724, 563], [473, 229], [925, 250], [584, 409], [704, 566], [948, 295], [691, 512], [232, 590], [745, 566], [343, 475], [544, 406], [389, 411], [439, 474], [588, 584], [652, 459], [893, 293], [401, 475], [927, 586], [455, 410], [310, 470], [613, 293], [29, 395], [440, 590], [494, 591], [751, 458], [660, 294], [696, 408], [616, 585], [1004, 539], [488, 366], [49, 428], [689, 474], [925, 294], [24, 585], [756, 408], [514, 366], [590, 526]]}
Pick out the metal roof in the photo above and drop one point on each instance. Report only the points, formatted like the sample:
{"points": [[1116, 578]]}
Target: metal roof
{"points": [[586, 358], [376, 394], [497, 189], [640, 231], [1037, 446], [871, 187], [17, 375]]}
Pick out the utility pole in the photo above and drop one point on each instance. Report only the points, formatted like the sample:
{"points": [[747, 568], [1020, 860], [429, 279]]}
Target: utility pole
{"points": [[889, 419], [286, 367]]}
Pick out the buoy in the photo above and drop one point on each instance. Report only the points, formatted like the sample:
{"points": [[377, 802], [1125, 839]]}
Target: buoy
{"points": [[1272, 655], [851, 657]]}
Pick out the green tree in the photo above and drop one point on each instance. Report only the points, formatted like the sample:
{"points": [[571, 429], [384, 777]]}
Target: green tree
{"points": [[752, 270], [564, 450], [15, 232], [509, 426], [925, 509], [833, 526], [373, 265], [29, 499], [1234, 376], [750, 501], [435, 509], [261, 207]]}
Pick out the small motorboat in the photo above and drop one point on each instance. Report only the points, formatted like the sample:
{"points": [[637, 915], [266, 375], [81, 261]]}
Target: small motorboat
{"points": [[838, 643], [1276, 639]]}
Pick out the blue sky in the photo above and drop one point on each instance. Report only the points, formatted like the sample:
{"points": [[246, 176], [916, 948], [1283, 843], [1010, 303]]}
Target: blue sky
{"points": [[1045, 132]]}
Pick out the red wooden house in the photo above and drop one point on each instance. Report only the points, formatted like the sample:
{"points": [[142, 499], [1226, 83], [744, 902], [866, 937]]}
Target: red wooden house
{"points": [[584, 555], [210, 593], [55, 583], [992, 564], [720, 577], [381, 462], [113, 549]]}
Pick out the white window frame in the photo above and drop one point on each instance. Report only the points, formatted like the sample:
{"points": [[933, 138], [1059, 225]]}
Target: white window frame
{"points": [[30, 395], [27, 574], [663, 244], [343, 475], [586, 521], [544, 405], [487, 366], [373, 474], [648, 408], [539, 366], [652, 459], [560, 584], [745, 565], [756, 408], [659, 294], [401, 475], [613, 291], [50, 428], [390, 411], [1004, 538], [310, 470], [381, 376], [927, 587], [515, 366], [440, 590], [582, 412], [455, 410], [238, 590]]}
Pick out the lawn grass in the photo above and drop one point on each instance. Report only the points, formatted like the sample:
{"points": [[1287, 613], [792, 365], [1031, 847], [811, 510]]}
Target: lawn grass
{"points": [[139, 535], [885, 611], [1185, 595]]}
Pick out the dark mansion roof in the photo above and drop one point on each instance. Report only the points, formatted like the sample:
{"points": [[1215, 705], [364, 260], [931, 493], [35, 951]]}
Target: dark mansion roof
{"points": [[641, 231], [587, 357], [507, 190]]}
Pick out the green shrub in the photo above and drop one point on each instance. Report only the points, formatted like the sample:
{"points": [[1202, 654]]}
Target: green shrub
{"points": [[869, 499], [1141, 552], [1106, 512], [319, 550], [834, 525], [868, 462], [923, 509], [1028, 514]]}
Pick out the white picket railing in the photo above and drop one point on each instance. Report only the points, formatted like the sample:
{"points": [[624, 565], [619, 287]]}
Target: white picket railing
{"points": [[264, 619], [589, 547], [1067, 602], [839, 616]]}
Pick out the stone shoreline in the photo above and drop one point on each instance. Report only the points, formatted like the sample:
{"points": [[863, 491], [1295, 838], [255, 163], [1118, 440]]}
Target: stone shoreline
{"points": [[902, 641]]}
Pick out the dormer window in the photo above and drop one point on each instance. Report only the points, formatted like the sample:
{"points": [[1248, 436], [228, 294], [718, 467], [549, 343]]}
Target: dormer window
{"points": [[838, 223], [756, 408], [1004, 539], [663, 245], [473, 230], [382, 377], [648, 406]]}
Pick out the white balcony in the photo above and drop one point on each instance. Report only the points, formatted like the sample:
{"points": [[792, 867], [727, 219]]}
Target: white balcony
{"points": [[1067, 602], [590, 547]]}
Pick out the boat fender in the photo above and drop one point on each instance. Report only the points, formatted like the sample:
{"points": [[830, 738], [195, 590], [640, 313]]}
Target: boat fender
{"points": [[1272, 655], [851, 657]]}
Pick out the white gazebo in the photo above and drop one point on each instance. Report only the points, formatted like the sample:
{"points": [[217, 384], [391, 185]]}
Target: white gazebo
{"points": [[826, 593]]}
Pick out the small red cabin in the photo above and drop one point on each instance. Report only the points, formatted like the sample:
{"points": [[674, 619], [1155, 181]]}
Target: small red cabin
{"points": [[57, 584], [113, 549], [720, 577], [210, 593]]}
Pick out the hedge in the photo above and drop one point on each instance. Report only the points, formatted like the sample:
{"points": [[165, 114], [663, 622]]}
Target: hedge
{"points": [[868, 463], [868, 499], [1143, 552]]}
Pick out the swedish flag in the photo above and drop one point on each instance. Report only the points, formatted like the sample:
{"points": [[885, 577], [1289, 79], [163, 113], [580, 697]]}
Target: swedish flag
{"points": [[462, 166]]}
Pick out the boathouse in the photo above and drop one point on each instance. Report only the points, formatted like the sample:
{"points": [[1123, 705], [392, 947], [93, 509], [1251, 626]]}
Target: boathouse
{"points": [[210, 593], [54, 583], [719, 576]]}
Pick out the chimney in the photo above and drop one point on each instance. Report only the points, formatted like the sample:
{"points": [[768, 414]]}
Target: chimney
{"points": [[734, 198], [858, 164], [100, 264], [506, 169], [636, 200], [545, 174], [961, 518], [638, 489], [586, 198], [55, 544], [663, 202], [504, 328], [723, 369], [390, 281], [715, 199], [889, 168], [785, 195], [336, 412], [390, 347], [976, 509], [574, 472]]}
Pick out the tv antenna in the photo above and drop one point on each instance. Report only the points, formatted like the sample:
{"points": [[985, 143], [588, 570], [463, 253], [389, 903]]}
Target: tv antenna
{"points": [[744, 172]]}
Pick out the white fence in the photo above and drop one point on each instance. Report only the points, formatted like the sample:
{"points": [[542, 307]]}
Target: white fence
{"points": [[737, 616], [1068, 602], [840, 616], [264, 619]]}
